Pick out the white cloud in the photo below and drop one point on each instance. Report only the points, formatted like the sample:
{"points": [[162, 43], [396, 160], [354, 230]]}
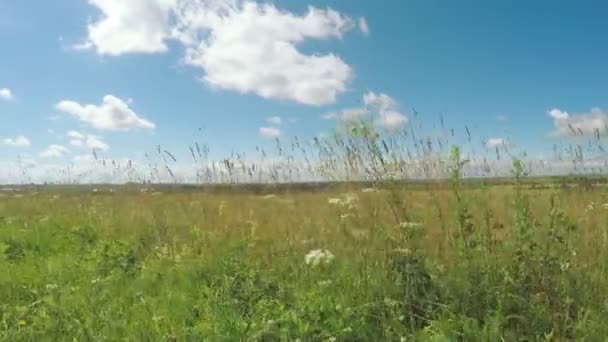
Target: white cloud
{"points": [[95, 143], [270, 132], [240, 45], [112, 115], [363, 26], [391, 119], [19, 141], [493, 143], [75, 135], [381, 102], [6, 94], [593, 123], [557, 114], [90, 141], [55, 151], [275, 120], [502, 118], [139, 26], [346, 114], [76, 143], [387, 109], [381, 105]]}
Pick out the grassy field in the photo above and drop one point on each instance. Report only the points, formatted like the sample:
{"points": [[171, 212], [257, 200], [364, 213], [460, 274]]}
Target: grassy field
{"points": [[442, 257], [443, 263]]}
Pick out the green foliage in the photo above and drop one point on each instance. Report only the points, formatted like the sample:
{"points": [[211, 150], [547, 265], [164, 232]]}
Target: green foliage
{"points": [[518, 265]]}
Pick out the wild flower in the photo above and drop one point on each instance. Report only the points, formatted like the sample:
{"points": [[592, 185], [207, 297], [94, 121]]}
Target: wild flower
{"points": [[345, 216], [324, 283], [406, 224], [51, 286], [335, 201], [605, 206], [403, 251], [346, 201], [367, 190], [319, 256]]}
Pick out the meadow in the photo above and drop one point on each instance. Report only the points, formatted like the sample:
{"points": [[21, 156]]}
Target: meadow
{"points": [[445, 260]]}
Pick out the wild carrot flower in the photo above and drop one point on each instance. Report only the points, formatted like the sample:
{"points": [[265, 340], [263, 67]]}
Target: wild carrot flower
{"points": [[335, 201], [405, 225], [319, 256]]}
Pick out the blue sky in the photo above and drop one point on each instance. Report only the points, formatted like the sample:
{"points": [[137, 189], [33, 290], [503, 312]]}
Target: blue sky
{"points": [[498, 67]]}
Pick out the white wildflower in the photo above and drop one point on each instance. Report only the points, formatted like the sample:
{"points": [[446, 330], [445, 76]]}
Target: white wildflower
{"points": [[51, 286], [369, 190], [345, 216], [405, 224], [335, 201], [347, 200], [324, 283], [605, 205], [319, 256]]}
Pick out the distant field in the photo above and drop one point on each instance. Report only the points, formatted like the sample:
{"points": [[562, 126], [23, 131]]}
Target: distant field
{"points": [[344, 263]]}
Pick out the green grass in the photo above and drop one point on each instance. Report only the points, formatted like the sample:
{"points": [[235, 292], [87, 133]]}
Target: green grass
{"points": [[447, 259], [486, 263]]}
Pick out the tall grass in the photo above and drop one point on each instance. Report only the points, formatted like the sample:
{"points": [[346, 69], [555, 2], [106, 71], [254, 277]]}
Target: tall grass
{"points": [[370, 258]]}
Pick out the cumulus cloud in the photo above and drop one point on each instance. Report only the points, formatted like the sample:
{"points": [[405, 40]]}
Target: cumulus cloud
{"points": [[112, 115], [270, 132], [76, 143], [363, 26], [384, 107], [6, 94], [95, 143], [275, 120], [346, 114], [379, 101], [19, 141], [242, 46], [55, 151], [387, 109], [593, 123], [137, 26], [86, 140], [75, 135], [391, 119], [493, 143]]}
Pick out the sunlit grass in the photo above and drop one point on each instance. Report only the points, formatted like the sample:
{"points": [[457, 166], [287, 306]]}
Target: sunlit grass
{"points": [[449, 259]]}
